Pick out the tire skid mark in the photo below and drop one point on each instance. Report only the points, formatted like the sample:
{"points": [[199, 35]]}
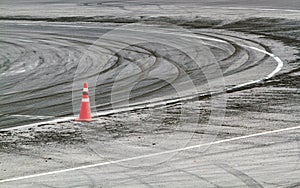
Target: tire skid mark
{"points": [[245, 65], [148, 155], [190, 97], [185, 170], [249, 181]]}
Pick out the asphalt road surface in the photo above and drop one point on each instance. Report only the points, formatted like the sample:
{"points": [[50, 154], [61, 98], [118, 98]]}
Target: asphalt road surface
{"points": [[183, 94]]}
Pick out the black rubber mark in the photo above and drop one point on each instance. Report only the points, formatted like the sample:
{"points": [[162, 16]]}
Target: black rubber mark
{"points": [[249, 181]]}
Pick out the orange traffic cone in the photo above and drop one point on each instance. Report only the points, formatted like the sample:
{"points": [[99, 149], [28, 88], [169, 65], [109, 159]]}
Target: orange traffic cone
{"points": [[85, 109]]}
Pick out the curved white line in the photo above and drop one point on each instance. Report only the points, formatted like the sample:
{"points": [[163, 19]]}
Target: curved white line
{"points": [[149, 155], [156, 103], [279, 61], [254, 8], [278, 68]]}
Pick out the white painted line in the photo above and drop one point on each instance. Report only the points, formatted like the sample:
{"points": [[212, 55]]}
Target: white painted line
{"points": [[278, 68], [148, 155], [254, 8], [40, 123], [260, 50], [28, 116]]}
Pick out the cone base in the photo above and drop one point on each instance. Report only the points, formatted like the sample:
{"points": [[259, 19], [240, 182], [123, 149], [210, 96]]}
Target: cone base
{"points": [[83, 120]]}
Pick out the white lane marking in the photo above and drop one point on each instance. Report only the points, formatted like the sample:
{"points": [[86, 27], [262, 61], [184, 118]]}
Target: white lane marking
{"points": [[244, 8], [28, 116], [149, 155], [278, 68], [166, 31], [260, 50], [59, 120], [277, 59]]}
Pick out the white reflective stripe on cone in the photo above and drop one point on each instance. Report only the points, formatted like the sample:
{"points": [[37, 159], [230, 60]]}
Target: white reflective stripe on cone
{"points": [[85, 100], [85, 89]]}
